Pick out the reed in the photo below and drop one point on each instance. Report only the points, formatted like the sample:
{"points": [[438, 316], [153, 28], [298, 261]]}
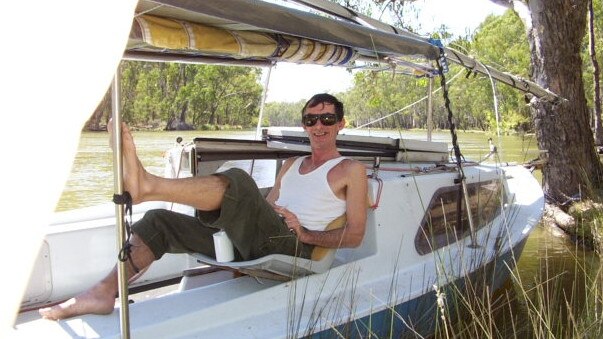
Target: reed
{"points": [[563, 300]]}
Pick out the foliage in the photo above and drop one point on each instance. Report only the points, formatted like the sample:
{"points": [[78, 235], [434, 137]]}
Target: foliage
{"points": [[500, 41], [587, 65], [157, 94], [282, 113], [589, 227], [378, 97]]}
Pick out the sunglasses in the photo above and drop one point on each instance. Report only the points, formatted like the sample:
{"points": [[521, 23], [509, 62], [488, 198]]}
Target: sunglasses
{"points": [[327, 119]]}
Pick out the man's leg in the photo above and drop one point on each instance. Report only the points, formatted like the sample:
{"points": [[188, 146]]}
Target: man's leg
{"points": [[203, 193], [100, 298]]}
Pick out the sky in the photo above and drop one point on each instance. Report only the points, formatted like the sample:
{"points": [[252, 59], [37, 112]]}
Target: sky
{"points": [[291, 82]]}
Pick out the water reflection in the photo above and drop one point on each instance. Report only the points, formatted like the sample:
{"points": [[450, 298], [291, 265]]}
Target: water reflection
{"points": [[554, 292]]}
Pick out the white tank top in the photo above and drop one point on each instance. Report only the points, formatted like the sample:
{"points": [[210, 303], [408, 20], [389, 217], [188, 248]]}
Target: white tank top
{"points": [[309, 195]]}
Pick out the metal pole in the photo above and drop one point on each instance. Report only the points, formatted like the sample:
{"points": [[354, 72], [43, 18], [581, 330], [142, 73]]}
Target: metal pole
{"points": [[474, 243], [258, 131], [429, 109], [122, 276], [495, 99]]}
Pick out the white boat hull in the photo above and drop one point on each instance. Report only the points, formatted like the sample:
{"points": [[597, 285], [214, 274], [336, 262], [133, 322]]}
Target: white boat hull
{"points": [[385, 273], [79, 249]]}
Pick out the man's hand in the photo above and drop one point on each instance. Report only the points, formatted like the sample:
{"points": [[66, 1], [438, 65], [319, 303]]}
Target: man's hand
{"points": [[290, 220]]}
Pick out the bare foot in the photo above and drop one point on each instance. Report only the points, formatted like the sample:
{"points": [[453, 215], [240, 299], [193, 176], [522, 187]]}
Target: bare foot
{"points": [[97, 300], [135, 176]]}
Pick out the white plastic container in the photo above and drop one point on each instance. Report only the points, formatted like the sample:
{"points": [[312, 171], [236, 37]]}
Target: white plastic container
{"points": [[223, 246]]}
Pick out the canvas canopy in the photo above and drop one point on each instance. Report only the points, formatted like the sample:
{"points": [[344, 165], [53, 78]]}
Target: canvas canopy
{"points": [[255, 32]]}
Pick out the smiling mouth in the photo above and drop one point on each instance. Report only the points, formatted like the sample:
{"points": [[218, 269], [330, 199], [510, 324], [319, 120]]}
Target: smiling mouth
{"points": [[320, 134]]}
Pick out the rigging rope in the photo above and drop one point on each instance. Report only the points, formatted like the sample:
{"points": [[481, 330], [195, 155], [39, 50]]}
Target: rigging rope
{"points": [[442, 68], [407, 106], [455, 144]]}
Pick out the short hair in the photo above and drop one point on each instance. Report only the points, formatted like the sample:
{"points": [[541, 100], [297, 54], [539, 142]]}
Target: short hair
{"points": [[324, 98]]}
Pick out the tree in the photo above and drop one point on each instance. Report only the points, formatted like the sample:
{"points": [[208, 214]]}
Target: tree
{"points": [[283, 114], [500, 41], [555, 29], [598, 127], [184, 96], [103, 109]]}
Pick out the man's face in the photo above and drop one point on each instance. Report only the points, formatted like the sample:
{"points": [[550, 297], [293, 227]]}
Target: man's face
{"points": [[321, 124]]}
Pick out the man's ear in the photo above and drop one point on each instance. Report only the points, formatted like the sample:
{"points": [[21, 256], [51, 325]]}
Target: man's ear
{"points": [[342, 124]]}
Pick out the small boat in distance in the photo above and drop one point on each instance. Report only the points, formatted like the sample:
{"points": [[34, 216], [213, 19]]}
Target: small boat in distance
{"points": [[436, 226]]}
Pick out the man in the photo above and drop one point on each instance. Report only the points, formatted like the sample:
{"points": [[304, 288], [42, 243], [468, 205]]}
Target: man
{"points": [[308, 193]]}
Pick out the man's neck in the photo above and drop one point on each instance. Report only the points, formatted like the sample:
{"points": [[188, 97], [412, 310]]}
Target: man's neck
{"points": [[319, 157]]}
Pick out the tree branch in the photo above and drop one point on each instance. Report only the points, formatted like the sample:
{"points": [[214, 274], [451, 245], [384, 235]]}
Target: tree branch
{"points": [[520, 7]]}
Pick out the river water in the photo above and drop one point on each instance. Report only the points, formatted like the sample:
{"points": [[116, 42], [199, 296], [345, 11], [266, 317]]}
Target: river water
{"points": [[545, 255]]}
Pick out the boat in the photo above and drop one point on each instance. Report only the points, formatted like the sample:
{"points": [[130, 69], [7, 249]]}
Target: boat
{"points": [[436, 225]]}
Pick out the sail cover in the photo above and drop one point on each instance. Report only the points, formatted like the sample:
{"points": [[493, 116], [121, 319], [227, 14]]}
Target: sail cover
{"points": [[256, 30], [158, 33]]}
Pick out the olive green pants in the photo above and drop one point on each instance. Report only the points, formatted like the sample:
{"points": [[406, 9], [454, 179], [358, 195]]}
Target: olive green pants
{"points": [[252, 225]]}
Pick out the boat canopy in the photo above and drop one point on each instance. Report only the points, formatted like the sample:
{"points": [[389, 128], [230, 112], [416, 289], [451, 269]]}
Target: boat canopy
{"points": [[260, 33]]}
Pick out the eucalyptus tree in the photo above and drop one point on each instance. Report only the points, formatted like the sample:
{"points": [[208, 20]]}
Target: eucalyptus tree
{"points": [[555, 30], [283, 113], [154, 94], [500, 41], [149, 89], [377, 99], [130, 72], [224, 95]]}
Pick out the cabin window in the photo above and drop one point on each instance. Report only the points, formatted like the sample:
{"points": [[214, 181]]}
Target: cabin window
{"points": [[263, 171], [443, 224]]}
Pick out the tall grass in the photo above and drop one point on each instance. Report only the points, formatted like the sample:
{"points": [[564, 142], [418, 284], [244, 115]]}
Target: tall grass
{"points": [[558, 302], [563, 299]]}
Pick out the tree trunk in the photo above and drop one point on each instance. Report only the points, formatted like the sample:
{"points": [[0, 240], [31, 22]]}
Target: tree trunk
{"points": [[183, 111], [562, 128], [93, 123], [598, 128]]}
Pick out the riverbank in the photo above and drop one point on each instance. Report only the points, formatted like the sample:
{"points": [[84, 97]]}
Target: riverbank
{"points": [[582, 223]]}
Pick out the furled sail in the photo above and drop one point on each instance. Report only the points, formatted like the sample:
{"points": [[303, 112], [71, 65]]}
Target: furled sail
{"points": [[158, 33]]}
